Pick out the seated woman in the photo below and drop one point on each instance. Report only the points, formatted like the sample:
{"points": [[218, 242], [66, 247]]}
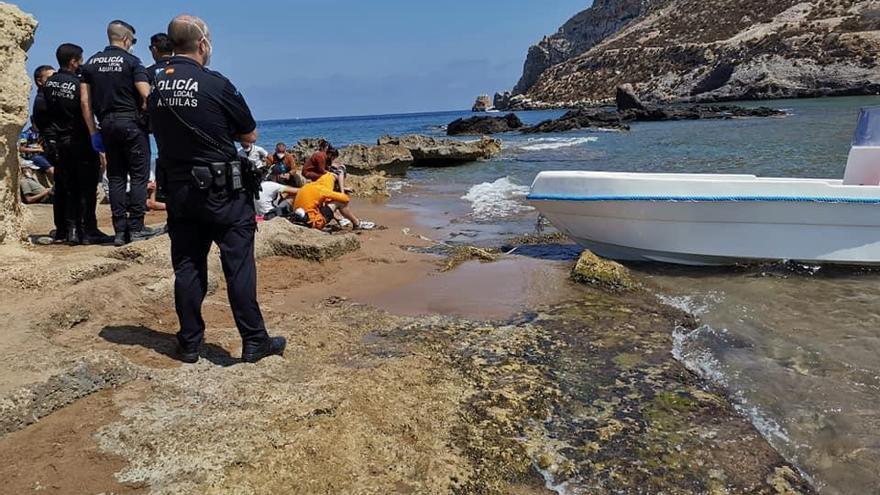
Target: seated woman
{"points": [[274, 200], [316, 203], [322, 162]]}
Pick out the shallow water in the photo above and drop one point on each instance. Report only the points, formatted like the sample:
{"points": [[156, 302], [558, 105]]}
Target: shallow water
{"points": [[796, 347]]}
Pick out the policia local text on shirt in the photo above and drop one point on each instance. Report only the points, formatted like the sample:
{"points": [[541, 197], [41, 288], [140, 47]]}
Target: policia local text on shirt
{"points": [[115, 87], [196, 115]]}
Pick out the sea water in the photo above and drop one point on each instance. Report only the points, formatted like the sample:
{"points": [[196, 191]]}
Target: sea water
{"points": [[796, 347]]}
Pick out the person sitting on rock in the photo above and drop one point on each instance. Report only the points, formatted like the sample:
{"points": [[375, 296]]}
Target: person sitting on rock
{"points": [[316, 165], [256, 154], [30, 149], [276, 200], [316, 203], [282, 167], [32, 192]]}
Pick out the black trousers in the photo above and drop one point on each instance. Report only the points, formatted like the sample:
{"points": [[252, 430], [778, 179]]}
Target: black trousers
{"points": [[80, 178], [54, 153], [128, 164], [196, 219]]}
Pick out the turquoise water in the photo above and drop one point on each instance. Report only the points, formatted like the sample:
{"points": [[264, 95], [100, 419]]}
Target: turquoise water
{"points": [[797, 349]]}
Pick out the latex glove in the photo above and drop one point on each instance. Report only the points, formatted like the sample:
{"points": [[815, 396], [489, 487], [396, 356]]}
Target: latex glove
{"points": [[98, 143]]}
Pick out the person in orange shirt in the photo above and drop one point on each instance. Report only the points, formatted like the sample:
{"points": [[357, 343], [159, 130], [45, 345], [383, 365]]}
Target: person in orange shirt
{"points": [[316, 201]]}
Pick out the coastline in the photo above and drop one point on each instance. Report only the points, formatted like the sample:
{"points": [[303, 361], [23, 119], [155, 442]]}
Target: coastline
{"points": [[552, 386]]}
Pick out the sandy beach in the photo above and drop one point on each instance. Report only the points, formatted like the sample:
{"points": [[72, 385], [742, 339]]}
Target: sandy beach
{"points": [[500, 377]]}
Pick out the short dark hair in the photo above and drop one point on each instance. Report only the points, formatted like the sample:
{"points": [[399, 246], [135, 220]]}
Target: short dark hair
{"points": [[39, 71], [332, 152], [68, 52], [162, 43], [280, 144], [186, 32], [122, 23]]}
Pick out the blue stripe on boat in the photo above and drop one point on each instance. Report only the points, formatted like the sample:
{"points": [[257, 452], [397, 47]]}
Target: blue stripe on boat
{"points": [[705, 199]]}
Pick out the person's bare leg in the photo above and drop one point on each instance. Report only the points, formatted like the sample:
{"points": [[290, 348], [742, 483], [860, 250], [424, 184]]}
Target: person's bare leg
{"points": [[346, 212], [340, 179]]}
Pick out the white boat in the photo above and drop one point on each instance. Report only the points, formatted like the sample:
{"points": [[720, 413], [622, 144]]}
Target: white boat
{"points": [[710, 219]]}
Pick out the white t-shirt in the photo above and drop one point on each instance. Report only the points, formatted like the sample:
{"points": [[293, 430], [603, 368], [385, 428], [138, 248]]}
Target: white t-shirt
{"points": [[257, 155], [268, 196]]}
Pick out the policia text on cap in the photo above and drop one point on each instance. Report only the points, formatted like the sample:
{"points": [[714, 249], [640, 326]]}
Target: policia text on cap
{"points": [[196, 115]]}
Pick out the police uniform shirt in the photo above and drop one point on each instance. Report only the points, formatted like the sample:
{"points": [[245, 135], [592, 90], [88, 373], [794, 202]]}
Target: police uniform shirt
{"points": [[111, 75], [205, 100], [155, 68], [39, 117], [64, 113]]}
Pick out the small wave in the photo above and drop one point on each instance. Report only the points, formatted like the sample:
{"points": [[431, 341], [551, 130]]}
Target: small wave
{"points": [[689, 348], [499, 199], [541, 144], [396, 185], [696, 305]]}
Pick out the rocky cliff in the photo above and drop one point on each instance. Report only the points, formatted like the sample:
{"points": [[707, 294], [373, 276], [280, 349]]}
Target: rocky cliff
{"points": [[709, 50], [16, 37]]}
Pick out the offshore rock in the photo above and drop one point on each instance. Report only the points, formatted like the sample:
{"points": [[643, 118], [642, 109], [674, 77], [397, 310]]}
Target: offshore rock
{"points": [[482, 104], [478, 126], [429, 151], [16, 37], [605, 274], [501, 101], [682, 50], [588, 118]]}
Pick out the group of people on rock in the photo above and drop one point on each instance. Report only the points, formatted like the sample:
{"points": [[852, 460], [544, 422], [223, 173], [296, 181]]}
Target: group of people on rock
{"points": [[89, 120], [315, 196]]}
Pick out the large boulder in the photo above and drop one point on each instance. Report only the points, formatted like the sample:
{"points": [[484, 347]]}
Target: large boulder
{"points": [[627, 98], [304, 148], [501, 101], [482, 104], [279, 237], [481, 125], [605, 274], [16, 37], [390, 159], [368, 186], [429, 151]]}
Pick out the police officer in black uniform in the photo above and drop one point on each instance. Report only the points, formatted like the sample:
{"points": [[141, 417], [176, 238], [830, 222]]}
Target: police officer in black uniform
{"points": [[68, 139], [161, 49], [115, 88], [196, 115]]}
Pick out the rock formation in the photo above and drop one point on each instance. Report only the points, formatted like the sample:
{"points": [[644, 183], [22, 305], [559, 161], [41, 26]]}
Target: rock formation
{"points": [[428, 151], [605, 274], [364, 160], [16, 36], [482, 104], [717, 50], [590, 118], [581, 33], [626, 98], [478, 126]]}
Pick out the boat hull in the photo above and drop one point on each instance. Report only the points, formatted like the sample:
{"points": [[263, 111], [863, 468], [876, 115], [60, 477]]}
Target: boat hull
{"points": [[623, 217]]}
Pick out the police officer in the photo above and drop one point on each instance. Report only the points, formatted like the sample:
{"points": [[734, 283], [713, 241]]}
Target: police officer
{"points": [[161, 49], [115, 88], [197, 114], [68, 138]]}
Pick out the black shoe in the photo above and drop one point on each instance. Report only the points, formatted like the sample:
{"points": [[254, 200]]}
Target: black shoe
{"points": [[120, 239], [73, 238], [145, 233], [187, 356], [255, 352], [59, 235], [97, 238]]}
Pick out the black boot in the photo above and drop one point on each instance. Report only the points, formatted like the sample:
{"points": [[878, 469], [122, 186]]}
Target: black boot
{"points": [[73, 237], [146, 233], [251, 353], [96, 237], [120, 239], [188, 356]]}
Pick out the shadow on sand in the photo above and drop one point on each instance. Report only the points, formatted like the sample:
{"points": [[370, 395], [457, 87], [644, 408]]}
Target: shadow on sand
{"points": [[162, 343]]}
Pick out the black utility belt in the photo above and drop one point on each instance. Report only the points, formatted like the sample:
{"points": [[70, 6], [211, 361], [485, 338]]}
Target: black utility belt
{"points": [[218, 175]]}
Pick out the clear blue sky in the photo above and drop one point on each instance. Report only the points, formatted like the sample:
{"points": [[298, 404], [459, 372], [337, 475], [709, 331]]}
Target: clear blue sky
{"points": [[332, 57]]}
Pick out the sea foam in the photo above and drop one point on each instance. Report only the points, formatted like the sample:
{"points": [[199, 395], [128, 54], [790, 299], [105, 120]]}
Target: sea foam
{"points": [[542, 144], [499, 199]]}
